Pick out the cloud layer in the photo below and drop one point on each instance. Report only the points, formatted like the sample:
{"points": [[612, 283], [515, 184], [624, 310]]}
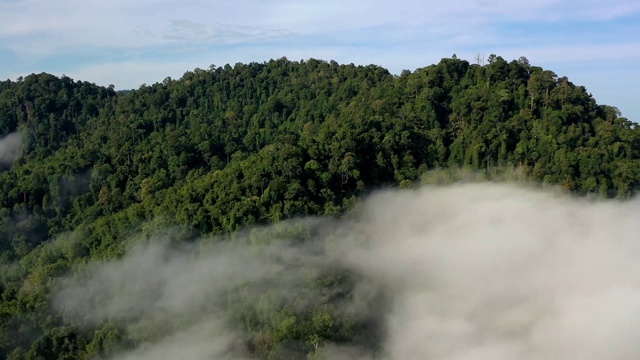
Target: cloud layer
{"points": [[469, 271]]}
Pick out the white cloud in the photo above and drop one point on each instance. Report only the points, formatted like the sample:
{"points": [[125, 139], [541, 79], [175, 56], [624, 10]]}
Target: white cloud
{"points": [[10, 148], [488, 272]]}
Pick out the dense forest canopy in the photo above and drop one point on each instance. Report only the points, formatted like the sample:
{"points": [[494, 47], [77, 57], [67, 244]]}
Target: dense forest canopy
{"points": [[253, 144]]}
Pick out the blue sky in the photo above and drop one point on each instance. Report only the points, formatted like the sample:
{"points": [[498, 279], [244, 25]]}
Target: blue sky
{"points": [[596, 43]]}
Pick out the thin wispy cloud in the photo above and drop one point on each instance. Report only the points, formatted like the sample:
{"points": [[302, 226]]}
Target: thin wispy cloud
{"points": [[82, 37], [206, 22], [191, 31], [10, 148]]}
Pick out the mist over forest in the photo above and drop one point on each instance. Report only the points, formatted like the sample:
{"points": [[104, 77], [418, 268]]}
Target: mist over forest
{"points": [[316, 210]]}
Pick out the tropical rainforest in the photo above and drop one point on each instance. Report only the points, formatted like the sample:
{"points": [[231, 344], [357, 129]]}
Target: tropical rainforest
{"points": [[232, 148]]}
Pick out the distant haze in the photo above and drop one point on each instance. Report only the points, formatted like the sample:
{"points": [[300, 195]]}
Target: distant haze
{"points": [[475, 271]]}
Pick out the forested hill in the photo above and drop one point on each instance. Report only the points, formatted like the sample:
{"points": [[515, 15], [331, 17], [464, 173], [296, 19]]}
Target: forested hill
{"points": [[262, 142]]}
